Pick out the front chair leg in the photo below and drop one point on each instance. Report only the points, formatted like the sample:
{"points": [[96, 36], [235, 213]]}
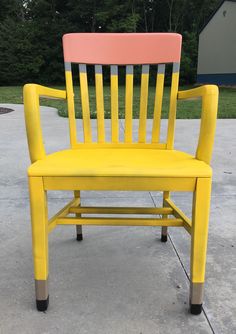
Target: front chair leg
{"points": [[199, 236], [196, 297], [39, 222], [79, 233], [42, 296]]}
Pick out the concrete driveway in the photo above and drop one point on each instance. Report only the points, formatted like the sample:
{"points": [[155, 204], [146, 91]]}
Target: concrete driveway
{"points": [[119, 279]]}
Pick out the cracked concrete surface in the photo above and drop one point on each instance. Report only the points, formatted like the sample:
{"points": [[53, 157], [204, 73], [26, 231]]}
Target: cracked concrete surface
{"points": [[119, 279]]}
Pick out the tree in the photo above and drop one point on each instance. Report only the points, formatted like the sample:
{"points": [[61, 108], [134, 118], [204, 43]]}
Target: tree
{"points": [[31, 31]]}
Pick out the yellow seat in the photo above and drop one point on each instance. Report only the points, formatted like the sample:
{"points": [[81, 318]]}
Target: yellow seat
{"points": [[121, 165], [120, 162]]}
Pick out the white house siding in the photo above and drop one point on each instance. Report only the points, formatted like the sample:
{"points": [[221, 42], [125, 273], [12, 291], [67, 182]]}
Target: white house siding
{"points": [[217, 47]]}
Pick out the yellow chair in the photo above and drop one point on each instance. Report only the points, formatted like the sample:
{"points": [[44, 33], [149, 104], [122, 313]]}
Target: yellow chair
{"points": [[121, 165]]}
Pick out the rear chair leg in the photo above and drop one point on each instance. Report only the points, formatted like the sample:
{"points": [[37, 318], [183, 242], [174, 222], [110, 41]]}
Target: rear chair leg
{"points": [[79, 233], [199, 236], [164, 229], [39, 222]]}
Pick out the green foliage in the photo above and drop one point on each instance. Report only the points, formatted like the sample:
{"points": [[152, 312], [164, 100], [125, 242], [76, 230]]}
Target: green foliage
{"points": [[185, 109], [31, 31], [189, 58]]}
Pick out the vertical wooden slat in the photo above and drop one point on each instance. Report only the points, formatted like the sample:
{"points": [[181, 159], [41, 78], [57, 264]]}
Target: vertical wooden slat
{"points": [[173, 104], [129, 103], [114, 105], [99, 103], [70, 104], [85, 103], [158, 103], [143, 104]]}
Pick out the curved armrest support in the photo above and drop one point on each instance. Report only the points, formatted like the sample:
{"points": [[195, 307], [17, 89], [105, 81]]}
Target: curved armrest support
{"points": [[32, 94], [209, 95]]}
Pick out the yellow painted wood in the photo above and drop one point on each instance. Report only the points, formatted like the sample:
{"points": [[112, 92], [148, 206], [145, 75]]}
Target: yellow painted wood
{"points": [[62, 213], [51, 225], [119, 221], [78, 227], [39, 223], [119, 210], [209, 95], [129, 104], [200, 219], [198, 92], [179, 214], [114, 105], [164, 229], [33, 124], [71, 108], [77, 194], [159, 146], [118, 163], [143, 104], [166, 195], [172, 110], [85, 103], [158, 107], [186, 227], [47, 92], [119, 183], [31, 94], [99, 103]]}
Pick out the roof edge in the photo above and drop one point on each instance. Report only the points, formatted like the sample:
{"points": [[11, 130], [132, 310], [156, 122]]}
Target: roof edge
{"points": [[213, 14]]}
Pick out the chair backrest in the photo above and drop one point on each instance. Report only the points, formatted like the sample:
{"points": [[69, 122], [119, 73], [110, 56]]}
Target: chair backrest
{"points": [[119, 49]]}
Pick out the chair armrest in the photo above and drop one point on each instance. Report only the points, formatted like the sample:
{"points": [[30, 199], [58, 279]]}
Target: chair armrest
{"points": [[209, 95], [32, 93]]}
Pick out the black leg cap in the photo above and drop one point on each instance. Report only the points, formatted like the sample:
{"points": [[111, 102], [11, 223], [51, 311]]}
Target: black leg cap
{"points": [[79, 237], [195, 309], [42, 305], [163, 238]]}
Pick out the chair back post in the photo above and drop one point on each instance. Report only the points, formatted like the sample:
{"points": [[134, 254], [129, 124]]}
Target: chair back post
{"points": [[70, 104], [173, 105]]}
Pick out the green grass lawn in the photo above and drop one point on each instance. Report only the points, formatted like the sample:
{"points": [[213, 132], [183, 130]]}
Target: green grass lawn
{"points": [[186, 109]]}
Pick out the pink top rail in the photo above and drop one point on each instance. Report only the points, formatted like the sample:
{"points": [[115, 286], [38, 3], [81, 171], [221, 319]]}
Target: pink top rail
{"points": [[122, 48]]}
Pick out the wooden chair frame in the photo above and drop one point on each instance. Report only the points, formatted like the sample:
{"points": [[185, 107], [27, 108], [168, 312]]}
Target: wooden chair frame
{"points": [[169, 214]]}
